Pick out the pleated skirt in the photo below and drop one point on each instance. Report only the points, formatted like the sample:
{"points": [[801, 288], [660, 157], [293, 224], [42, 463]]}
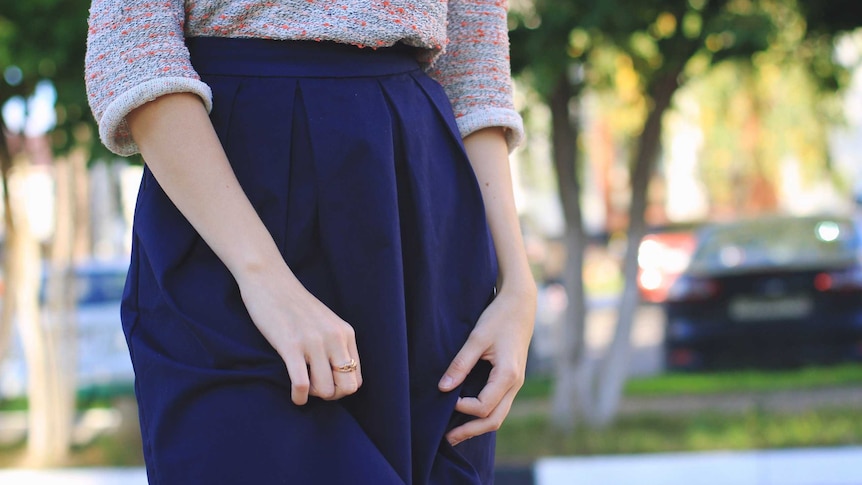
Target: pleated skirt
{"points": [[353, 161]]}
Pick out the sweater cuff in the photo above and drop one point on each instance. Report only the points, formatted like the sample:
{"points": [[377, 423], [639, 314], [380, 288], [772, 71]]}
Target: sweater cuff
{"points": [[508, 119], [113, 129]]}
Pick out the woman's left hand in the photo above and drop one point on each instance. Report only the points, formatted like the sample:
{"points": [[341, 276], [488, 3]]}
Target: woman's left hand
{"points": [[502, 334], [501, 337]]}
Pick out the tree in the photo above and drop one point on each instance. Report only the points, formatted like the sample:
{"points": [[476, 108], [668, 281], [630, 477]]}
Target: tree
{"points": [[42, 40], [661, 38], [538, 51], [666, 43]]}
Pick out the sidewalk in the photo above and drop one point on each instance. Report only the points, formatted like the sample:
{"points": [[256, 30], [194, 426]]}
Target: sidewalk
{"points": [[825, 466], [78, 476]]}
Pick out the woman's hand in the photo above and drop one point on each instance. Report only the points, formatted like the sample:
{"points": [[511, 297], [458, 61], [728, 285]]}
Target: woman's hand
{"points": [[183, 152], [502, 337], [311, 339], [502, 334]]}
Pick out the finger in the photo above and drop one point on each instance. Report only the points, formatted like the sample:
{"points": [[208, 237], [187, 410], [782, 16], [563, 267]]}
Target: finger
{"points": [[354, 354], [322, 384], [299, 380], [462, 364], [345, 380], [341, 349], [481, 426], [501, 381]]}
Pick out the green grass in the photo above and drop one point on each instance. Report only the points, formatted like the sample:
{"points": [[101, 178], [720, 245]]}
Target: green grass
{"points": [[526, 437], [121, 447], [14, 404], [117, 450], [746, 381], [723, 382], [523, 439]]}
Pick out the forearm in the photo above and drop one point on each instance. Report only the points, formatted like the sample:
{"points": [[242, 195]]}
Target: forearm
{"points": [[502, 333], [182, 150], [489, 155]]}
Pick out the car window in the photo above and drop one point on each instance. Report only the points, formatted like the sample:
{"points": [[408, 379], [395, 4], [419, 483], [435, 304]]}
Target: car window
{"points": [[776, 242]]}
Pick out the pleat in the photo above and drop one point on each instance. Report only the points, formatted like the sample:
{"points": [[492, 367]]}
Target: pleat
{"points": [[351, 140], [449, 271], [261, 158]]}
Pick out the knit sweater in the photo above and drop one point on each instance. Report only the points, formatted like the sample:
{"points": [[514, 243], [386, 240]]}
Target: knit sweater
{"points": [[136, 52]]}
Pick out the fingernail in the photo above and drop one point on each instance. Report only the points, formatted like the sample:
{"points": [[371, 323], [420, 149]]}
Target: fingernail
{"points": [[446, 382]]}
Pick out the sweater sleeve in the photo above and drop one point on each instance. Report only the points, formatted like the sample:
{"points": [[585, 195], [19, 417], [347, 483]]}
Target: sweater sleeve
{"points": [[135, 53], [474, 69]]}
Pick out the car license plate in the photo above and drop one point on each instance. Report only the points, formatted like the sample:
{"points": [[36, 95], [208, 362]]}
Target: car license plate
{"points": [[749, 309]]}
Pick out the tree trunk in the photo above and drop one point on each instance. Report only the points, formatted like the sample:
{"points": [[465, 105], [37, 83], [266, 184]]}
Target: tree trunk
{"points": [[8, 309], [59, 320], [82, 246], [569, 394], [50, 389], [612, 372], [24, 281]]}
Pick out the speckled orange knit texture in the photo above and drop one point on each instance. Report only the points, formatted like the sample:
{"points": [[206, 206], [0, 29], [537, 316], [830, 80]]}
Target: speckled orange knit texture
{"points": [[136, 53]]}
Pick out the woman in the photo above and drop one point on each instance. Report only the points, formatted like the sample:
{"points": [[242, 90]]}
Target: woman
{"points": [[327, 284]]}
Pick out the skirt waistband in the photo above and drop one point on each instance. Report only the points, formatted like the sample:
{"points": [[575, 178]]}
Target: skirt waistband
{"points": [[296, 58]]}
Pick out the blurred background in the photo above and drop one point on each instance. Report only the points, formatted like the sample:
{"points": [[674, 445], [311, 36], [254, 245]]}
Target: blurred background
{"points": [[690, 196]]}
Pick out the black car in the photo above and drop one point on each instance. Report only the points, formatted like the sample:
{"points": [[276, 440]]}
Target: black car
{"points": [[768, 292]]}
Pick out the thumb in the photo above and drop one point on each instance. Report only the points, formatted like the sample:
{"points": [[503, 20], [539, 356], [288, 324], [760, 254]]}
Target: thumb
{"points": [[461, 365]]}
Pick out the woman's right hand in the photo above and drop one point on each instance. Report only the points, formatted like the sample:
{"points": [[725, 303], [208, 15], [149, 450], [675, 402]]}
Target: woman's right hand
{"points": [[311, 339], [181, 148]]}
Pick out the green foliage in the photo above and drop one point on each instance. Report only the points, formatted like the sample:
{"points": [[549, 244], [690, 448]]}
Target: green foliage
{"points": [[762, 73], [658, 36], [827, 17], [46, 39], [664, 36], [540, 34]]}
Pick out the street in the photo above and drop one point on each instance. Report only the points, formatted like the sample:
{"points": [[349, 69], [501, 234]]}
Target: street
{"points": [[646, 339]]}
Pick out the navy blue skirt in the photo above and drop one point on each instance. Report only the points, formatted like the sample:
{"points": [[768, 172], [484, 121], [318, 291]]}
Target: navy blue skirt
{"points": [[353, 161]]}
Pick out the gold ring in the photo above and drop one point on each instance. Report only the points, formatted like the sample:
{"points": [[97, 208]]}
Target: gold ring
{"points": [[348, 367]]}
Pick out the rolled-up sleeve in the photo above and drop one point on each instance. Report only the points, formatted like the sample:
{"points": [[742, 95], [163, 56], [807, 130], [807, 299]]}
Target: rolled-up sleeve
{"points": [[474, 69], [135, 53]]}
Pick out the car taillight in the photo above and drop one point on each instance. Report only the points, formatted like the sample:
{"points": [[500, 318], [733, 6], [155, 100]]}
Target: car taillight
{"points": [[845, 280], [689, 288]]}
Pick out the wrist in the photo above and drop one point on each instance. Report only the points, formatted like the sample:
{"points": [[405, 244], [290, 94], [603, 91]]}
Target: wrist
{"points": [[519, 282], [260, 268]]}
